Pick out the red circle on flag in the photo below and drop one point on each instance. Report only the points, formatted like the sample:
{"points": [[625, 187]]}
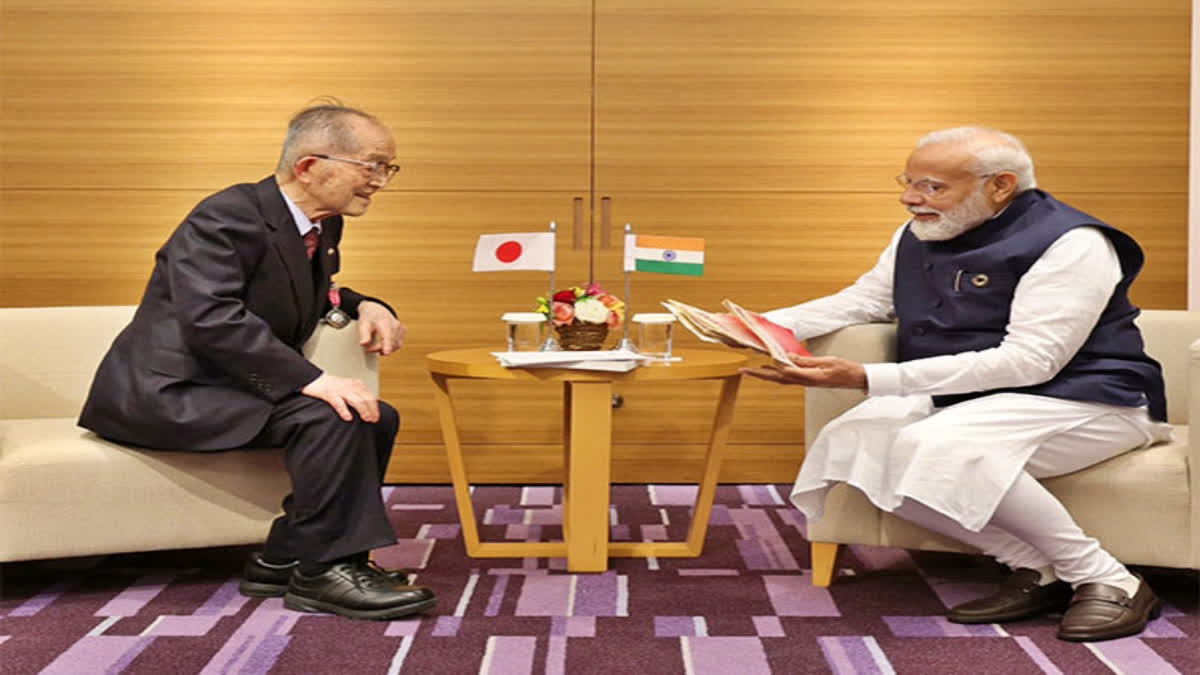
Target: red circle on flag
{"points": [[508, 251]]}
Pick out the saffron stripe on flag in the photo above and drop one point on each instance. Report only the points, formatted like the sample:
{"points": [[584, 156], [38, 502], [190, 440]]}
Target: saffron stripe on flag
{"points": [[676, 243], [664, 267]]}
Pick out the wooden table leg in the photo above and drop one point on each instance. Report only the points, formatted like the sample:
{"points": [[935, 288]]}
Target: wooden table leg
{"points": [[586, 489], [458, 469], [702, 509], [566, 447], [722, 422], [462, 492]]}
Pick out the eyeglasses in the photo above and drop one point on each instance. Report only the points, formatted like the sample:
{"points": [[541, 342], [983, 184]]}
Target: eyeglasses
{"points": [[929, 187], [380, 169]]}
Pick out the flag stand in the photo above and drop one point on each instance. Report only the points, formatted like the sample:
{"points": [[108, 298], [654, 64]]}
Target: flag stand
{"points": [[551, 343], [625, 342]]}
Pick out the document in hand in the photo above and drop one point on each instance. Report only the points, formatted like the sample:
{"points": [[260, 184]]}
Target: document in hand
{"points": [[739, 327]]}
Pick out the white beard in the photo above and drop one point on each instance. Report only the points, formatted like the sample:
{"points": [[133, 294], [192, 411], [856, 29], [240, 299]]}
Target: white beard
{"points": [[966, 215]]}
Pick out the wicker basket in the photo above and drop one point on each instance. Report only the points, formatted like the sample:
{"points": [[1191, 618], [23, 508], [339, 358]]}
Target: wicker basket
{"points": [[581, 336]]}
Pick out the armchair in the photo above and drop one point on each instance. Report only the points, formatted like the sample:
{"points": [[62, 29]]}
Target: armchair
{"points": [[1113, 501], [66, 492]]}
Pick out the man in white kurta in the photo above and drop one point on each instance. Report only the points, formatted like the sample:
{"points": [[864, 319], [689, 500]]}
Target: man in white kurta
{"points": [[968, 468]]}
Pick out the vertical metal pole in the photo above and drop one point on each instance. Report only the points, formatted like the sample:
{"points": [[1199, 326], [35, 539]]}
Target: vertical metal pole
{"points": [[550, 344], [626, 343]]}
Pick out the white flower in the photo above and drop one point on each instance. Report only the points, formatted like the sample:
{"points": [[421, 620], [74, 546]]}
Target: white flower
{"points": [[590, 310]]}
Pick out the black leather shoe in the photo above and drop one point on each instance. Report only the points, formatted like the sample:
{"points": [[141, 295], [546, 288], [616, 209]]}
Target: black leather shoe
{"points": [[1103, 612], [357, 590], [265, 580], [1020, 598], [261, 579]]}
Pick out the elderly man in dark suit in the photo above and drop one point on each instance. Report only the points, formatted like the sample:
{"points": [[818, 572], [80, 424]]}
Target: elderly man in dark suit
{"points": [[212, 361]]}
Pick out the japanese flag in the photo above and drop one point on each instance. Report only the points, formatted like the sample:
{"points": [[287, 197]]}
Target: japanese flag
{"points": [[517, 251]]}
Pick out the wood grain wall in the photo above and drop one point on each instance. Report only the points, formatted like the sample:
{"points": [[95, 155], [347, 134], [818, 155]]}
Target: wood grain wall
{"points": [[774, 130]]}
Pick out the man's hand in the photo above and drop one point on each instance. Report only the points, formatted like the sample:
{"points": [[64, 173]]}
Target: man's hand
{"points": [[378, 330], [342, 394], [814, 371]]}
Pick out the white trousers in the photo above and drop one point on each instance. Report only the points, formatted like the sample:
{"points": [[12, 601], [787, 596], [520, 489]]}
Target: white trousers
{"points": [[969, 471]]}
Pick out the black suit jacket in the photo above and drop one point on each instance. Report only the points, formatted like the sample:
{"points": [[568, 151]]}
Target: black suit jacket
{"points": [[216, 339]]}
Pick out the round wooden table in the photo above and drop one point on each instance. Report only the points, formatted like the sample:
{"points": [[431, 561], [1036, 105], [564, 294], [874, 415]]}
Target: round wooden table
{"points": [[587, 443]]}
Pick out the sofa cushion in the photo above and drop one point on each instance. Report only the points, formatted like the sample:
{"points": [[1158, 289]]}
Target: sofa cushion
{"points": [[67, 492]]}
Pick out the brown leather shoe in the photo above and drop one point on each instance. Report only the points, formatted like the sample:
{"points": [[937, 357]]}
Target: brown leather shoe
{"points": [[1103, 612], [1020, 598]]}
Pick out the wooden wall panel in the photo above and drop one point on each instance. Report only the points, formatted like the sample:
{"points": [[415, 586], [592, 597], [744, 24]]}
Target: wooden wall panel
{"points": [[84, 247], [772, 129], [815, 96], [525, 464], [173, 94]]}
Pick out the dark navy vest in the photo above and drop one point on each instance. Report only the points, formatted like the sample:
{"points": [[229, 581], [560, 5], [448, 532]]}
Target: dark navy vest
{"points": [[954, 296]]}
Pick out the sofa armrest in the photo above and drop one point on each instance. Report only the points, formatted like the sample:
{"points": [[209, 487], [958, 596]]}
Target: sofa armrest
{"points": [[865, 343], [337, 351]]}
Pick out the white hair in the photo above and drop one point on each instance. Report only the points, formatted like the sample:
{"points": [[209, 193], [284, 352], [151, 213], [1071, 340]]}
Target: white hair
{"points": [[993, 151], [321, 128]]}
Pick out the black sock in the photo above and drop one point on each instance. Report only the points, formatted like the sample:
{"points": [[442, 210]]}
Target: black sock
{"points": [[313, 569], [274, 561]]}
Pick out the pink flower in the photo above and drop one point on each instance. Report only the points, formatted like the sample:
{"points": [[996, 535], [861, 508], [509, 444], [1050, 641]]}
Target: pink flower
{"points": [[598, 305], [563, 313]]}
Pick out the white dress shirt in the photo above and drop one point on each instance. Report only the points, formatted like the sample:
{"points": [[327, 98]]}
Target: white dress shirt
{"points": [[303, 224]]}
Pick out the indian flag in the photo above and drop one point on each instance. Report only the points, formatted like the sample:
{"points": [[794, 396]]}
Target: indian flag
{"points": [[664, 255]]}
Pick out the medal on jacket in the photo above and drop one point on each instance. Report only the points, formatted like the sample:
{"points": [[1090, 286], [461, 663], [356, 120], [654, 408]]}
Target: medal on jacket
{"points": [[336, 317]]}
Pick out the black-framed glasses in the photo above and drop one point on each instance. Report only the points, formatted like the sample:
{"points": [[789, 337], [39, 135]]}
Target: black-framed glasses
{"points": [[381, 169]]}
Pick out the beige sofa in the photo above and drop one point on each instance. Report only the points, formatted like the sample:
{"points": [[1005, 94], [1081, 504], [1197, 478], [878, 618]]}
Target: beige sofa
{"points": [[66, 492], [1144, 506]]}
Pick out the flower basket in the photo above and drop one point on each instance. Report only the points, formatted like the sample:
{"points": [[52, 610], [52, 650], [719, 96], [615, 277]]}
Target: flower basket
{"points": [[582, 315], [581, 336]]}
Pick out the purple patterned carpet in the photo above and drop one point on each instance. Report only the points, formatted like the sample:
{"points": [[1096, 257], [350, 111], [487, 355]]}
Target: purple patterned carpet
{"points": [[746, 606]]}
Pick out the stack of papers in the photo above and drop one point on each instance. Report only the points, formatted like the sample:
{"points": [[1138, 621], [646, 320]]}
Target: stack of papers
{"points": [[612, 360], [739, 328]]}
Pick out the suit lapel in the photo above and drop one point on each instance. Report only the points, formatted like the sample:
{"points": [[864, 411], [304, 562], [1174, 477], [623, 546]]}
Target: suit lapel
{"points": [[285, 238]]}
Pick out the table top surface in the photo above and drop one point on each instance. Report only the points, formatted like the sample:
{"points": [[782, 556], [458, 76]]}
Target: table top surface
{"points": [[695, 364]]}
